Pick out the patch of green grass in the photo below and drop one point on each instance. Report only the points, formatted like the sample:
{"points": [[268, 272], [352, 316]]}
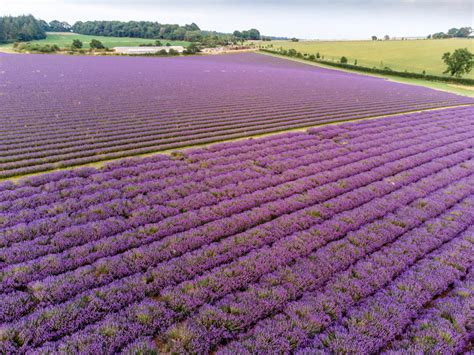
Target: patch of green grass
{"points": [[410, 55], [64, 39]]}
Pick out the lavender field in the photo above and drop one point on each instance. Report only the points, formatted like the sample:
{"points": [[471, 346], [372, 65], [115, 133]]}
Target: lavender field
{"points": [[355, 237], [63, 111]]}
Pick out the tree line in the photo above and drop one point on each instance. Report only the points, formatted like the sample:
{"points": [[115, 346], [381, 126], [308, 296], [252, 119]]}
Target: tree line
{"points": [[20, 29], [27, 28], [155, 30], [55, 26], [462, 32], [252, 34], [137, 29]]}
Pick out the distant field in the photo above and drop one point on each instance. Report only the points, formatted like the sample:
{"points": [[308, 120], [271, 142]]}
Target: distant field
{"points": [[411, 55], [63, 39]]}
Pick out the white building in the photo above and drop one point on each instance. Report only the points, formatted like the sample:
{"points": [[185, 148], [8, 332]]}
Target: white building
{"points": [[147, 50]]}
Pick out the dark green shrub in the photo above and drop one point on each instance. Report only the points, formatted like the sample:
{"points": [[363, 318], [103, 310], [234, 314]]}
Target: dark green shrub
{"points": [[96, 44], [76, 44]]}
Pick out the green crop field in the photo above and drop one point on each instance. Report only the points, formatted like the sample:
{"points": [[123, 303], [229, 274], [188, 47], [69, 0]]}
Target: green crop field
{"points": [[410, 55], [64, 39]]}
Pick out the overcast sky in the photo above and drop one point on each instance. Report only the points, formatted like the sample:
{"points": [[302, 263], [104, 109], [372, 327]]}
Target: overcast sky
{"points": [[322, 19]]}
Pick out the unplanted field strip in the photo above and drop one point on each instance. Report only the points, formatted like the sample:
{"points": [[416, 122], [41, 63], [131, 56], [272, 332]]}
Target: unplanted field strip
{"points": [[101, 162]]}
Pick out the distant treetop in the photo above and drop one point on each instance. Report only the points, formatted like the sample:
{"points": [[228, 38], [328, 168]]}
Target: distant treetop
{"points": [[252, 34], [57, 26], [462, 32]]}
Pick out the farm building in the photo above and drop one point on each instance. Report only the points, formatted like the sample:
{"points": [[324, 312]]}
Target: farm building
{"points": [[146, 50]]}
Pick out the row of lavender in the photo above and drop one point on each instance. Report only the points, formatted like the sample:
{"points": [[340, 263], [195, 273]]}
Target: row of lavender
{"points": [[265, 245], [64, 111]]}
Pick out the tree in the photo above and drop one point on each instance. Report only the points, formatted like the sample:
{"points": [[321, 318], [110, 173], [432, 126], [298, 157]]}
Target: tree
{"points": [[96, 44], [44, 25], [439, 35], [76, 44], [343, 60], [294, 39], [253, 34], [464, 32], [58, 26], [452, 32], [386, 38], [458, 63], [192, 27], [374, 38], [2, 34], [193, 36]]}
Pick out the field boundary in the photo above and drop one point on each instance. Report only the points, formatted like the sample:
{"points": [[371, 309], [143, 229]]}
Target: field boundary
{"points": [[100, 164], [451, 87], [359, 68]]}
